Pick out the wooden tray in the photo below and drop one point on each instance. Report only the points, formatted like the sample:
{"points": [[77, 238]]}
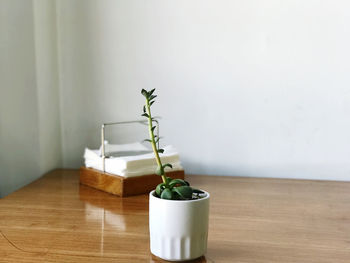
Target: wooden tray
{"points": [[122, 186]]}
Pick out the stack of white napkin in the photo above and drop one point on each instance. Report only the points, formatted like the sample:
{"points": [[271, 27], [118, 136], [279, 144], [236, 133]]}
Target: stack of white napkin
{"points": [[129, 160]]}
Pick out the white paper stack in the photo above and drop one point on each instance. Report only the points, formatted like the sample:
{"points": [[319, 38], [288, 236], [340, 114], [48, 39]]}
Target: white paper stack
{"points": [[129, 160]]}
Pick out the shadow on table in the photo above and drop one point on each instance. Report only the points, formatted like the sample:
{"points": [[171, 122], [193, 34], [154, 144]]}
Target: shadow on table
{"points": [[202, 259]]}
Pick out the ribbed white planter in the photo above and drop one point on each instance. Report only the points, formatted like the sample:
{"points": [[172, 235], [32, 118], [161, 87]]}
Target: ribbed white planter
{"points": [[178, 228]]}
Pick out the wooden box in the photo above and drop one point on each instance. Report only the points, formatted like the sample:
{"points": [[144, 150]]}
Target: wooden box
{"points": [[122, 186]]}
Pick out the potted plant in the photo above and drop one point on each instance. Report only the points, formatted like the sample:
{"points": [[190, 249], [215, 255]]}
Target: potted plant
{"points": [[178, 213]]}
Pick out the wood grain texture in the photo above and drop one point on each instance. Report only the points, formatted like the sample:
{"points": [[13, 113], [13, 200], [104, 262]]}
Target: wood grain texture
{"points": [[55, 219], [122, 186]]}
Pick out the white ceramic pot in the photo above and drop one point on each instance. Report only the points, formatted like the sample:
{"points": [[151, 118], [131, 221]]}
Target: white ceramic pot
{"points": [[178, 228]]}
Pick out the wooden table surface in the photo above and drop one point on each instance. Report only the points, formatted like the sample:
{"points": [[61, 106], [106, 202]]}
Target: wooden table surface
{"points": [[251, 220]]}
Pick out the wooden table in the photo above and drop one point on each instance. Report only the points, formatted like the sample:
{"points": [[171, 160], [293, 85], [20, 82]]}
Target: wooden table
{"points": [[251, 220]]}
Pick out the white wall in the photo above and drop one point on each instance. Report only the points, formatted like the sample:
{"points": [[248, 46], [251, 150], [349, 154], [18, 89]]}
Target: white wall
{"points": [[47, 84], [251, 88], [29, 115]]}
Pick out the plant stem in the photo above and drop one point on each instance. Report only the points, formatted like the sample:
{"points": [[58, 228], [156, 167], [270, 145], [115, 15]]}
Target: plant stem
{"points": [[153, 143]]}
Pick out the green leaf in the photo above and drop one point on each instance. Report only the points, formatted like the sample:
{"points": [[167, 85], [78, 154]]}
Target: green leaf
{"points": [[159, 189], [168, 165], [152, 97], [150, 104], [147, 140], [160, 170], [144, 93], [144, 108], [176, 182], [184, 191], [151, 92], [168, 179], [153, 128], [145, 115], [157, 138], [160, 150], [176, 195], [166, 194]]}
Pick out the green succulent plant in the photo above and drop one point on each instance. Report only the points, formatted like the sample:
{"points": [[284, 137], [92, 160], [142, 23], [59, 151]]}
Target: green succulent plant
{"points": [[172, 189]]}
